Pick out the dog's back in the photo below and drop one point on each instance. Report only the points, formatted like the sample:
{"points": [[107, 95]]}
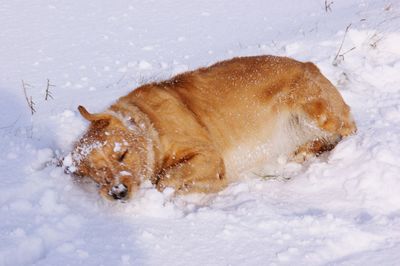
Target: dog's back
{"points": [[251, 109]]}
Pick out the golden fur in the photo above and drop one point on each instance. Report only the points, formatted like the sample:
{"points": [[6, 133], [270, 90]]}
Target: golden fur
{"points": [[200, 129]]}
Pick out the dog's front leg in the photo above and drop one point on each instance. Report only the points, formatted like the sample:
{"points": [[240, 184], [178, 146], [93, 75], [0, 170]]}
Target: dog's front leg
{"points": [[201, 171]]}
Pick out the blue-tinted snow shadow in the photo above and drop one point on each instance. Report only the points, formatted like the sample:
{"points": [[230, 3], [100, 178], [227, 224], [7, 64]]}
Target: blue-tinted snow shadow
{"points": [[15, 116], [100, 241]]}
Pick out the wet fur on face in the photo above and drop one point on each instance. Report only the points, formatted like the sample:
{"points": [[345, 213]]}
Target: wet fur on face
{"points": [[112, 156], [201, 129]]}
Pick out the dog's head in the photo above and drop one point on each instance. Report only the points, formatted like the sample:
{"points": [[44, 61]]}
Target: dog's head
{"points": [[111, 154]]}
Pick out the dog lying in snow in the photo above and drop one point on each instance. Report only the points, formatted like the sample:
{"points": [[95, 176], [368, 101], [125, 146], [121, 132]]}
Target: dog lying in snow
{"points": [[201, 129]]}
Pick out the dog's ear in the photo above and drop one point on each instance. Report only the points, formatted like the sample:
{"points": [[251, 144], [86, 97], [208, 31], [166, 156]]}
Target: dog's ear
{"points": [[92, 117]]}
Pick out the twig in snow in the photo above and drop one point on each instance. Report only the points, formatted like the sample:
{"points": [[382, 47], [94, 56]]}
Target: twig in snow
{"points": [[388, 7], [11, 125], [375, 39], [271, 176], [265, 176], [48, 92], [29, 99], [340, 55], [328, 6]]}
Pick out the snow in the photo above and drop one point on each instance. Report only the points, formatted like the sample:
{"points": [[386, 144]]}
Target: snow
{"points": [[342, 208]]}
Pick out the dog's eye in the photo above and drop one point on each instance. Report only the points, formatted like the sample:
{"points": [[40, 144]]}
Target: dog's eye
{"points": [[121, 158], [107, 181], [102, 170]]}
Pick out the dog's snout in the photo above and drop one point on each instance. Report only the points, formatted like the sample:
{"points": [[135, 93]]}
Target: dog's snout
{"points": [[119, 191], [69, 170]]}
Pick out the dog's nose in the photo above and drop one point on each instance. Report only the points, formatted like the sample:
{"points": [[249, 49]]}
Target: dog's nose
{"points": [[67, 170], [119, 191]]}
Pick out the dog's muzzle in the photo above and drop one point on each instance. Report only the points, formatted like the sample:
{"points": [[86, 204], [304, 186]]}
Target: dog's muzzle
{"points": [[118, 192]]}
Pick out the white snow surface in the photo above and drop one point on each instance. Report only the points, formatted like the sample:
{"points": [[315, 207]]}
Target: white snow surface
{"points": [[342, 208]]}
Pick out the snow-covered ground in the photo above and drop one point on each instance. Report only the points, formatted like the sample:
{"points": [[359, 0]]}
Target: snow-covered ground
{"points": [[340, 209]]}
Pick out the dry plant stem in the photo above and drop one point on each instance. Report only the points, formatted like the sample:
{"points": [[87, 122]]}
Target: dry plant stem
{"points": [[48, 92], [266, 176], [375, 43], [339, 54], [344, 37], [348, 51], [29, 100], [328, 6], [388, 7]]}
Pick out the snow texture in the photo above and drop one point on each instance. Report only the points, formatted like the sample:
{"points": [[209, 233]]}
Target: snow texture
{"points": [[342, 208]]}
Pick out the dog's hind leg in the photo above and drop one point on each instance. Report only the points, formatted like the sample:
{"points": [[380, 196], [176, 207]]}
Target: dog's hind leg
{"points": [[324, 105], [313, 148], [332, 127]]}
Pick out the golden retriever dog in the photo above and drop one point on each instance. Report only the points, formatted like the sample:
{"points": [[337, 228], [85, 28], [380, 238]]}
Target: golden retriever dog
{"points": [[200, 130]]}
